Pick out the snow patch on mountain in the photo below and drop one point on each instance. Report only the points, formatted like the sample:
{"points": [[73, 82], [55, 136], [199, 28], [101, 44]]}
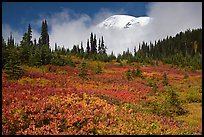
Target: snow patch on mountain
{"points": [[123, 22]]}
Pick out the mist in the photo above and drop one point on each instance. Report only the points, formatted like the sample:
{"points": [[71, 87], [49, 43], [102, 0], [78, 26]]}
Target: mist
{"points": [[167, 19], [68, 28]]}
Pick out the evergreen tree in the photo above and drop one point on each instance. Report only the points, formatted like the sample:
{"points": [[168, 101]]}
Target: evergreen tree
{"points": [[10, 41], [78, 49], [88, 50], [93, 42], [44, 38], [99, 47], [103, 48], [83, 73], [82, 49], [56, 48], [74, 50], [45, 50], [165, 79], [135, 51], [29, 36], [27, 49], [12, 63], [45, 55], [4, 53], [35, 42]]}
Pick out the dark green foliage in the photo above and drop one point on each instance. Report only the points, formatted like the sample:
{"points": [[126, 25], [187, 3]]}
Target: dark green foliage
{"points": [[59, 60], [154, 87], [103, 48], [14, 72], [44, 38], [138, 72], [98, 69], [185, 49], [186, 75], [11, 64], [35, 59], [45, 55], [165, 79], [112, 56], [167, 104], [83, 73], [88, 47], [5, 53], [74, 50], [93, 43], [129, 75], [176, 103]]}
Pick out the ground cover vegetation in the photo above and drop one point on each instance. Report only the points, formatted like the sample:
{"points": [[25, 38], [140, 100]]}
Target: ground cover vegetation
{"points": [[85, 91]]}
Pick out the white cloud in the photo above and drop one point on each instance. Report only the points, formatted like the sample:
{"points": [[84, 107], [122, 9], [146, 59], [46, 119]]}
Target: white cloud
{"points": [[173, 17], [67, 31], [168, 19], [17, 34], [67, 28], [35, 35], [7, 30]]}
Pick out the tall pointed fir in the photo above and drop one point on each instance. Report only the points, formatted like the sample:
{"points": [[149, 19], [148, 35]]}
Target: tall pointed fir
{"points": [[94, 45], [103, 48], [29, 35], [44, 44], [82, 49], [88, 47], [26, 43], [99, 46], [44, 39]]}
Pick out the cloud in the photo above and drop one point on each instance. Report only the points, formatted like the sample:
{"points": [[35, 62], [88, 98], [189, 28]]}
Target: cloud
{"points": [[68, 31], [67, 27], [167, 20], [173, 17], [35, 35], [105, 13], [17, 34], [7, 30]]}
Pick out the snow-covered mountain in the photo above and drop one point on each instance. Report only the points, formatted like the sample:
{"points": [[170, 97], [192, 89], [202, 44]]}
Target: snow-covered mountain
{"points": [[123, 22]]}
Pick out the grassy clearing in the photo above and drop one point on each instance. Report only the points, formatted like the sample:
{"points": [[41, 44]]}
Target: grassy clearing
{"points": [[194, 117]]}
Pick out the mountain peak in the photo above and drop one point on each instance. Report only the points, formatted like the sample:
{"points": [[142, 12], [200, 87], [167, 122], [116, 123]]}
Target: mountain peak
{"points": [[123, 22]]}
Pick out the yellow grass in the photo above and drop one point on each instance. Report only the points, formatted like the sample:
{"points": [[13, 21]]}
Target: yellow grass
{"points": [[194, 117]]}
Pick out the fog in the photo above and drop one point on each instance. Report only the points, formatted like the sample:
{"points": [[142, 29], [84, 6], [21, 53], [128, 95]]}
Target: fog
{"points": [[67, 28]]}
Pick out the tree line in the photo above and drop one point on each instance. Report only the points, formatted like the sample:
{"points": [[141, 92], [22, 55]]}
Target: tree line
{"points": [[37, 53], [185, 49]]}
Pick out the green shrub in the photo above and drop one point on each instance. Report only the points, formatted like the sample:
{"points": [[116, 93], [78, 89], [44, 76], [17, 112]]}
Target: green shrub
{"points": [[129, 75], [194, 96], [167, 104], [14, 72], [98, 69], [165, 79], [83, 73], [186, 76], [137, 72]]}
